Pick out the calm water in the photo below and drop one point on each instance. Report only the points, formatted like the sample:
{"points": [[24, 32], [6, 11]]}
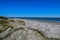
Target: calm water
{"points": [[34, 18]]}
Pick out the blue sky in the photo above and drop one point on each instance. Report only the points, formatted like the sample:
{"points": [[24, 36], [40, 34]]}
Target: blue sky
{"points": [[30, 8]]}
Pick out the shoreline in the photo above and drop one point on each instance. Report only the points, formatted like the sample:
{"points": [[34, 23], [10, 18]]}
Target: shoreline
{"points": [[50, 29]]}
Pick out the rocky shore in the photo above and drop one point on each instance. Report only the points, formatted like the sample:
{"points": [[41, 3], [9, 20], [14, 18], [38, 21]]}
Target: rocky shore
{"points": [[26, 29]]}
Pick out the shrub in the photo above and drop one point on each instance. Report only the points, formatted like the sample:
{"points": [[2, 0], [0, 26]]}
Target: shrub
{"points": [[2, 17]]}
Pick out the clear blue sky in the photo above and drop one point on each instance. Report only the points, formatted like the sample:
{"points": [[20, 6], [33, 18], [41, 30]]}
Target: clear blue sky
{"points": [[30, 8]]}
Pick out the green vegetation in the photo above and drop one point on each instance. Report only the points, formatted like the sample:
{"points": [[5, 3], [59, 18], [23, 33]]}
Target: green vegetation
{"points": [[2, 17]]}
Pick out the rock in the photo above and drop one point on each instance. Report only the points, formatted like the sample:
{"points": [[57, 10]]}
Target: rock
{"points": [[24, 29]]}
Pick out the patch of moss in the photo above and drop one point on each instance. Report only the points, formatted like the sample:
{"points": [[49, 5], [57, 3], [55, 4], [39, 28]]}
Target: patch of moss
{"points": [[1, 38]]}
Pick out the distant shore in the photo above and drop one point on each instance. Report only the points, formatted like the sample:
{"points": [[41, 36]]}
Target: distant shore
{"points": [[50, 19]]}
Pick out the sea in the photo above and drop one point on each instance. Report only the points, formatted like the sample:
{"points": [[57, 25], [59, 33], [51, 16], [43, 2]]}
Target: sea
{"points": [[40, 18]]}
